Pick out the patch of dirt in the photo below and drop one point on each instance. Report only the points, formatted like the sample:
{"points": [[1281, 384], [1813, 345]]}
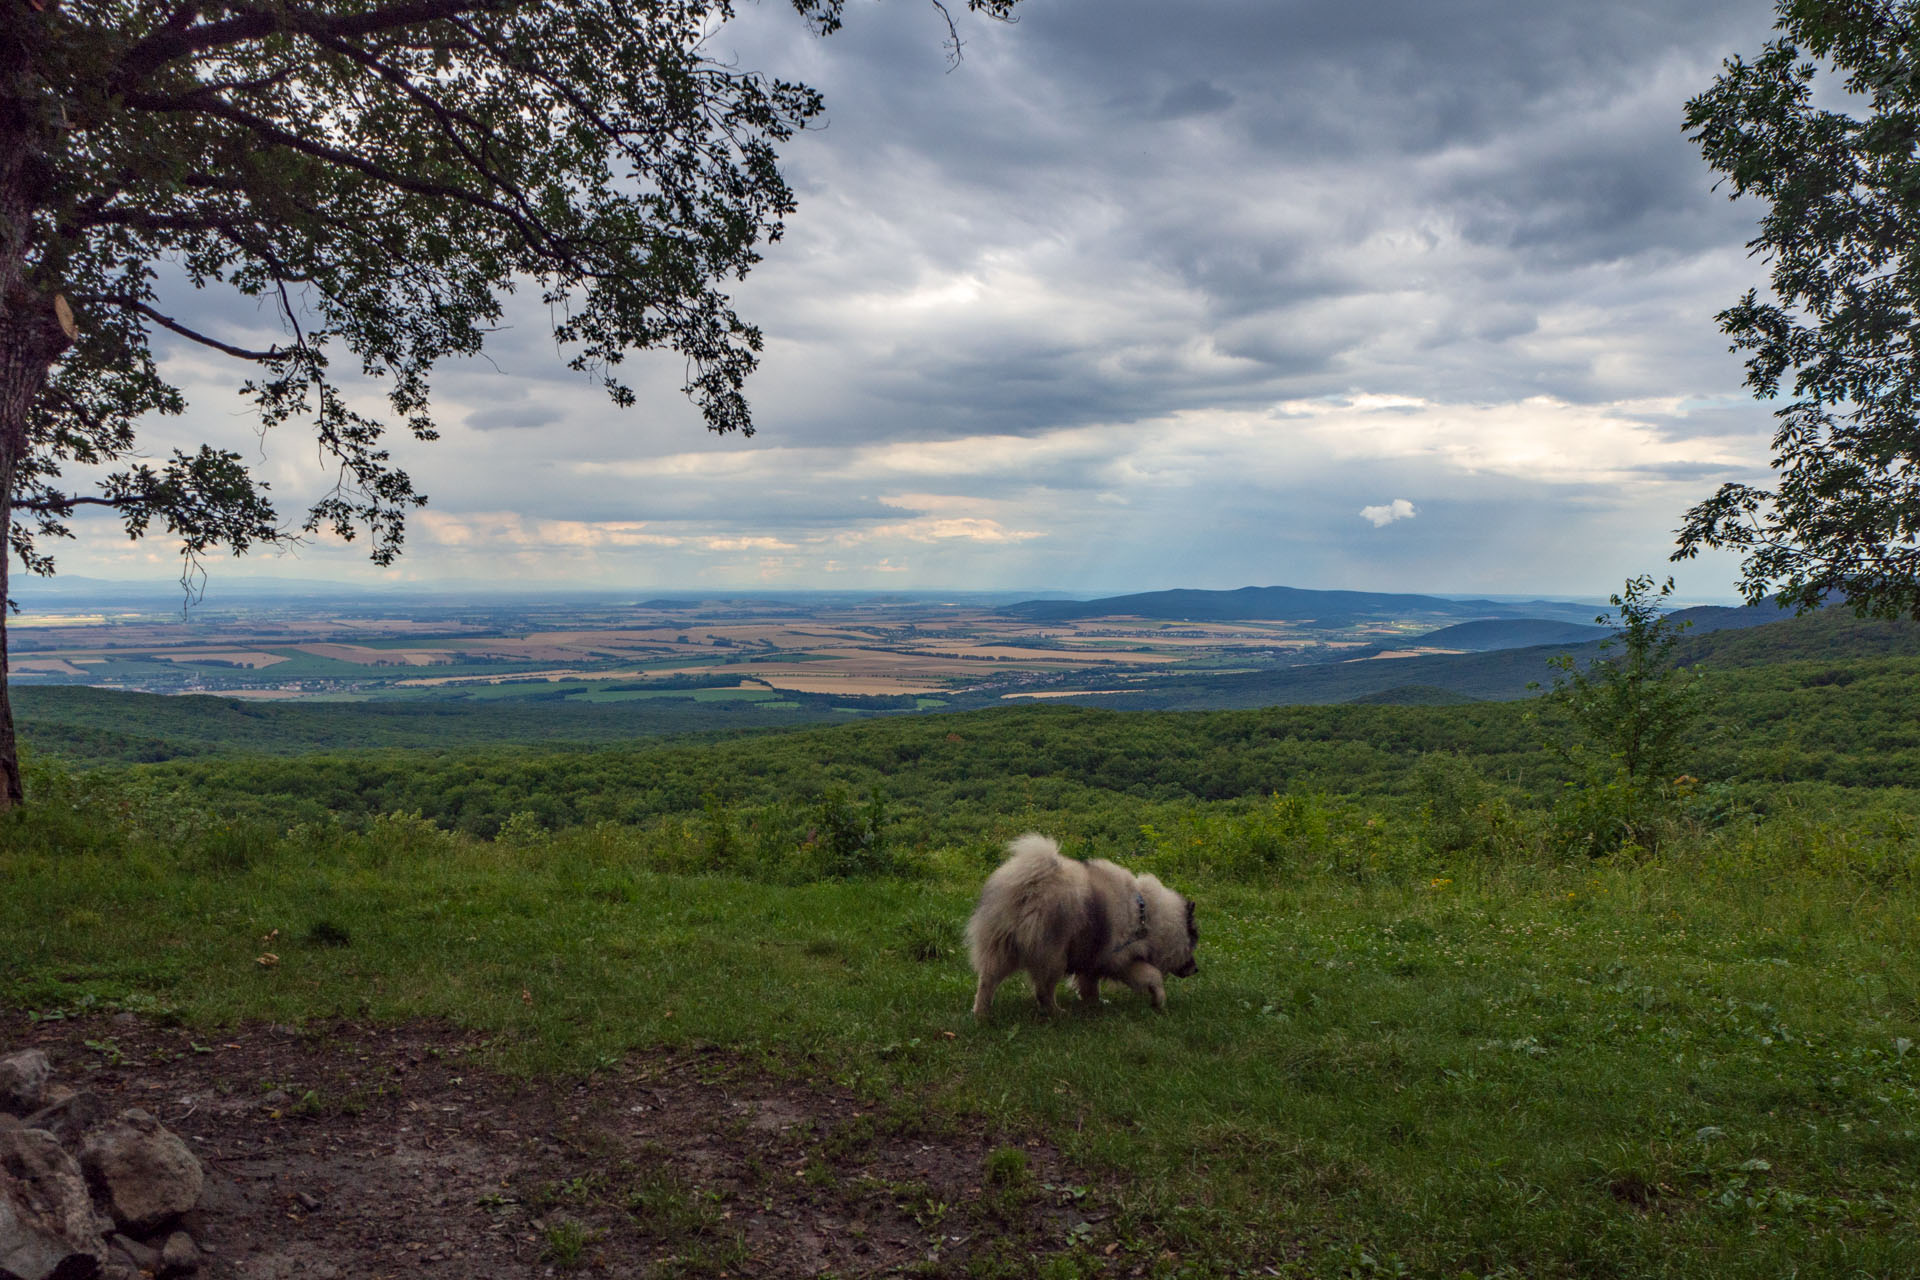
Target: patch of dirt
{"points": [[348, 1150]]}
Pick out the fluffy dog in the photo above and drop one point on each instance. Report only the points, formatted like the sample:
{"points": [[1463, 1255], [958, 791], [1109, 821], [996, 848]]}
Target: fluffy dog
{"points": [[1053, 916]]}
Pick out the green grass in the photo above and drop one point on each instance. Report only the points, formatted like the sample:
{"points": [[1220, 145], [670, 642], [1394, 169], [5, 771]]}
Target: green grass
{"points": [[1700, 1065]]}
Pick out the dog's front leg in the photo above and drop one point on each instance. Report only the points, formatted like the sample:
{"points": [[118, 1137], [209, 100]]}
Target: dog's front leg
{"points": [[1088, 986], [1146, 979]]}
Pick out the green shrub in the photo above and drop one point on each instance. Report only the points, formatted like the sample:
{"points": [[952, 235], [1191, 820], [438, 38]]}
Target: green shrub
{"points": [[851, 839], [1287, 836], [403, 835], [1461, 816], [1611, 813], [523, 829]]}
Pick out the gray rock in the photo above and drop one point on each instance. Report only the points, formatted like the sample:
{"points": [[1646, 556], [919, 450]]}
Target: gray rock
{"points": [[23, 1080], [144, 1257], [48, 1229], [179, 1256], [145, 1174], [69, 1118]]}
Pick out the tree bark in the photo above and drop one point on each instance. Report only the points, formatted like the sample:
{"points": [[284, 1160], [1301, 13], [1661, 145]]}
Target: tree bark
{"points": [[32, 336], [35, 327]]}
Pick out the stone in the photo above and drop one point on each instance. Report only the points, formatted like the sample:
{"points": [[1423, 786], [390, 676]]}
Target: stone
{"points": [[23, 1081], [69, 1118], [144, 1257], [144, 1173], [48, 1228], [179, 1256]]}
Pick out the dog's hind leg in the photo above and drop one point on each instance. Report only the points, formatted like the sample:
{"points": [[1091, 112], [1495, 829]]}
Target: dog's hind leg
{"points": [[1044, 981], [983, 994]]}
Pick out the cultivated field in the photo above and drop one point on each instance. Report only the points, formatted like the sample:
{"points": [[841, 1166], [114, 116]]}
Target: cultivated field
{"points": [[919, 648]]}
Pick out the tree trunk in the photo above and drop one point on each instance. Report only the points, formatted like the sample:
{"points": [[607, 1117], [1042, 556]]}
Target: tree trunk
{"points": [[12, 792], [35, 326]]}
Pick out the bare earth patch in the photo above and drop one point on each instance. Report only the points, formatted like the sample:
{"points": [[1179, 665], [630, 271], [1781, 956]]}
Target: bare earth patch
{"points": [[347, 1150]]}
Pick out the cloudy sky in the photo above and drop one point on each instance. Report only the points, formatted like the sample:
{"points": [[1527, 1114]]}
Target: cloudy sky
{"points": [[1400, 295]]}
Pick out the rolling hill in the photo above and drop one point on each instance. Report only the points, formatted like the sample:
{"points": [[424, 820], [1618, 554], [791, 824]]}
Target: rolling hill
{"points": [[1292, 604], [1748, 637], [1511, 633]]}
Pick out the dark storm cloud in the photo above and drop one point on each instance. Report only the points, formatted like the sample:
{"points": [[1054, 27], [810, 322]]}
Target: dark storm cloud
{"points": [[1095, 309], [1242, 160]]}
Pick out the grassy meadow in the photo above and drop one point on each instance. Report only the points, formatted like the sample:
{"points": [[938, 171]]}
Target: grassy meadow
{"points": [[1446, 1024]]}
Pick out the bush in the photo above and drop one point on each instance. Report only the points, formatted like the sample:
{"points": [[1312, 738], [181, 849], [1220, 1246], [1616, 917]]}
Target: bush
{"points": [[1289, 835], [851, 839], [1611, 813], [1460, 814]]}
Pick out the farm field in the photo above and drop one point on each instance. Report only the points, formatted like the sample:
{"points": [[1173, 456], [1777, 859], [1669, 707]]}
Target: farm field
{"points": [[877, 648]]}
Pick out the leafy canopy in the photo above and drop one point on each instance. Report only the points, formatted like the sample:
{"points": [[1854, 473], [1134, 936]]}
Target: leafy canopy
{"points": [[1841, 181], [377, 174]]}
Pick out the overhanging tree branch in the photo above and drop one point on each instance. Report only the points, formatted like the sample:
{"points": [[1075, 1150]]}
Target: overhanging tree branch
{"points": [[191, 334]]}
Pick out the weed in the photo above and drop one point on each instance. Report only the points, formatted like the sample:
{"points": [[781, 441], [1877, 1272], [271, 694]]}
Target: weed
{"points": [[928, 935], [566, 1242], [1006, 1167], [110, 1052]]}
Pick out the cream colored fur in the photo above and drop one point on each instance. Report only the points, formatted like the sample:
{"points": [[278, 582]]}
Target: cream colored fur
{"points": [[1053, 916]]}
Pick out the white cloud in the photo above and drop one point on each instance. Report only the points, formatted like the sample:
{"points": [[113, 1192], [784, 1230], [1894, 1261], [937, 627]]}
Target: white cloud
{"points": [[1382, 516]]}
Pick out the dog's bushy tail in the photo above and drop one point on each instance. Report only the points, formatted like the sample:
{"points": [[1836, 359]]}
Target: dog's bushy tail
{"points": [[1018, 906]]}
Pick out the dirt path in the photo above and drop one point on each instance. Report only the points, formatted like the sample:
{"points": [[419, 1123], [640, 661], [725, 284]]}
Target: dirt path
{"points": [[357, 1151]]}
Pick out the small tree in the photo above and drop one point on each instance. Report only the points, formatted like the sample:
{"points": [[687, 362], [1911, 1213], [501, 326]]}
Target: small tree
{"points": [[374, 175], [1631, 710], [1842, 236], [1635, 706]]}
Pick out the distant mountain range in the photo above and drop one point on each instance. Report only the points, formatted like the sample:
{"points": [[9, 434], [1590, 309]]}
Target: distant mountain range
{"points": [[1510, 633], [1488, 634], [1294, 604]]}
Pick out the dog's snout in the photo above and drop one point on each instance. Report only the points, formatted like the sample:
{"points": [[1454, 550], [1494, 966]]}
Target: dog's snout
{"points": [[1191, 968]]}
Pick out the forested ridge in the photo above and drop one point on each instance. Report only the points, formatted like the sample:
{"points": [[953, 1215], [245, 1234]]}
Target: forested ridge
{"points": [[1772, 729]]}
